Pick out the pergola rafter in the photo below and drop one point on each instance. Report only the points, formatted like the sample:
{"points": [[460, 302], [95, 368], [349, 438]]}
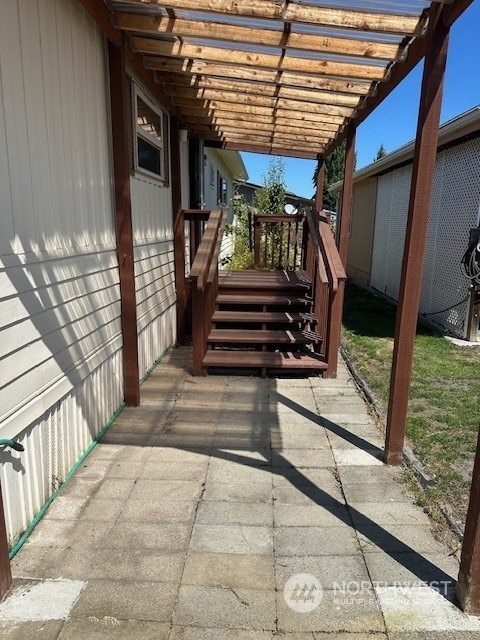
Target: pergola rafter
{"points": [[269, 60]]}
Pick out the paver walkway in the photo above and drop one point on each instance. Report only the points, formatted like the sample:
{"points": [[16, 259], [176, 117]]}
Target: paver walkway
{"points": [[236, 508]]}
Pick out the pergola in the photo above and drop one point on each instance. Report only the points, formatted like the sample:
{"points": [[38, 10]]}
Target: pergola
{"points": [[296, 78]]}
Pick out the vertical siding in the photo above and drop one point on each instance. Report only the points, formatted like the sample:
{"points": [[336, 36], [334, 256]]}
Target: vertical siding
{"points": [[453, 211], [54, 443], [389, 239], [60, 339], [361, 233], [154, 269]]}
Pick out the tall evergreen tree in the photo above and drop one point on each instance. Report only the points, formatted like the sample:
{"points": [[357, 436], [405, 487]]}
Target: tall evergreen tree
{"points": [[334, 167], [380, 153]]}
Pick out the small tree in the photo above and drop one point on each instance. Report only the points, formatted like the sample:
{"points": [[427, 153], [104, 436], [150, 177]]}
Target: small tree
{"points": [[271, 197], [242, 256]]}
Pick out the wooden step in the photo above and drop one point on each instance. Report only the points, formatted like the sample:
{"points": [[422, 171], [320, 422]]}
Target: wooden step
{"points": [[260, 281], [264, 359], [263, 317], [260, 300], [267, 336], [291, 277]]}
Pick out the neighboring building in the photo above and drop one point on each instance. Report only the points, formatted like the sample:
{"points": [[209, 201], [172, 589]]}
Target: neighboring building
{"points": [[248, 189], [379, 215], [222, 170]]}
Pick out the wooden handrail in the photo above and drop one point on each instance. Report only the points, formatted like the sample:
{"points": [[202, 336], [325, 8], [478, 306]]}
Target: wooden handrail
{"points": [[212, 272], [331, 248], [204, 281], [196, 214], [209, 248], [278, 217], [316, 240]]}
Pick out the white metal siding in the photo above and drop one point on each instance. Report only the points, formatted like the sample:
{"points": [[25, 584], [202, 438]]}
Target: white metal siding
{"points": [[453, 211], [154, 269], [60, 340], [392, 202], [55, 442]]}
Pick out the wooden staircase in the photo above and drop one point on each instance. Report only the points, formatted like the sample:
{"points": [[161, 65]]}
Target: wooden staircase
{"points": [[259, 319], [264, 320]]}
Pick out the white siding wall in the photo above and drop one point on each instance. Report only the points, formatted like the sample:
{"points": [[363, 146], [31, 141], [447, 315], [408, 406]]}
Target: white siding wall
{"points": [[390, 224], [61, 373], [154, 269], [453, 211]]}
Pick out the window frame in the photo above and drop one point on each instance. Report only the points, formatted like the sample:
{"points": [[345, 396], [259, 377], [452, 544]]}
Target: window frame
{"points": [[138, 132], [221, 181]]}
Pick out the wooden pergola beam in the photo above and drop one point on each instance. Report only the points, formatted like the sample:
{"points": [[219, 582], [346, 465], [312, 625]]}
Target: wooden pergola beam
{"points": [[178, 227], [263, 148], [153, 47], [347, 195], [233, 91], [104, 18], [419, 206], [264, 123], [320, 184], [120, 119], [284, 140], [192, 71], [248, 127], [220, 31], [288, 141], [282, 11], [263, 105], [234, 110], [468, 585]]}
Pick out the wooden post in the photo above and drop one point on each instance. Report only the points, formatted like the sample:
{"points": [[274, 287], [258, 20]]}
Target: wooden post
{"points": [[468, 585], [418, 212], [119, 101], [257, 238], [320, 184], [334, 329], [178, 227], [473, 328], [5, 570], [347, 191]]}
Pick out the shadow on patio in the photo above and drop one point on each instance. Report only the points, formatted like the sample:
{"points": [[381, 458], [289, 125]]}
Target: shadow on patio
{"points": [[212, 510]]}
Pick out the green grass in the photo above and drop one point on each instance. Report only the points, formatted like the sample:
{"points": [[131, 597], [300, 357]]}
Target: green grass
{"points": [[443, 417]]}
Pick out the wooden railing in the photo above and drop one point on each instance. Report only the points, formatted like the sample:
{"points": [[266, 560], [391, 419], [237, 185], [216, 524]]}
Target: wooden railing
{"points": [[196, 219], [277, 240], [204, 285], [322, 263]]}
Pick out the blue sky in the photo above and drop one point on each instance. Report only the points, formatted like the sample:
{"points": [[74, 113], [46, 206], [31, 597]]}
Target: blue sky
{"points": [[394, 122]]}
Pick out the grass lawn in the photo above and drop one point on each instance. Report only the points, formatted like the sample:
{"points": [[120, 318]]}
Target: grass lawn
{"points": [[443, 418]]}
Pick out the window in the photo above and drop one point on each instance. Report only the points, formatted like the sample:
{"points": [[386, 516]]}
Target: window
{"points": [[148, 121], [222, 189]]}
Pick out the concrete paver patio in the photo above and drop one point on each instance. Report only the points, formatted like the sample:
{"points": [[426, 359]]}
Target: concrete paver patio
{"points": [[234, 507]]}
